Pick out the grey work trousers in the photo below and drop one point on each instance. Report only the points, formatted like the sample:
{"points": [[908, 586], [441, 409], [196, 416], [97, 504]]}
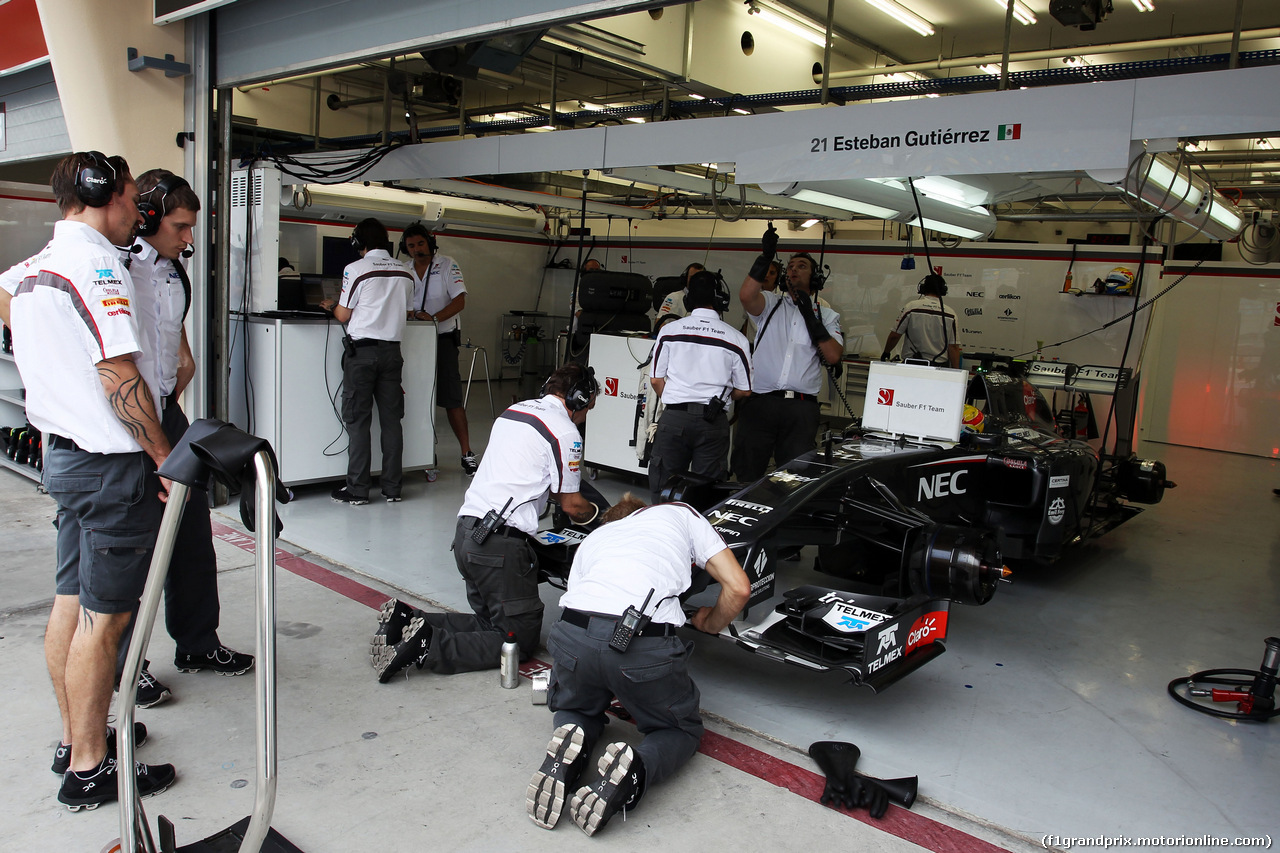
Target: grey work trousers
{"points": [[651, 680], [501, 576], [685, 441], [373, 375]]}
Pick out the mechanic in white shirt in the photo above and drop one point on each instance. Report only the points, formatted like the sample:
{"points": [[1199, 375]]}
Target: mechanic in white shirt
{"points": [[440, 295], [76, 339], [639, 559], [673, 302], [536, 453], [794, 340], [377, 293], [928, 328], [699, 362], [169, 210]]}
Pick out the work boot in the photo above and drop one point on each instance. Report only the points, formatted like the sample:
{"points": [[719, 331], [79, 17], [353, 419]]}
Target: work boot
{"points": [[389, 660], [62, 755], [565, 760], [619, 788], [99, 785], [221, 660], [393, 616]]}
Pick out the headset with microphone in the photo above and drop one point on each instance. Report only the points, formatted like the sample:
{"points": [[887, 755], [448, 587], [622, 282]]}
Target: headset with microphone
{"points": [[578, 396], [97, 180], [718, 287], [152, 209], [417, 229]]}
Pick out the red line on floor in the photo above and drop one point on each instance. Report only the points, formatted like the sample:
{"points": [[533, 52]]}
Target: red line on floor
{"points": [[899, 822]]}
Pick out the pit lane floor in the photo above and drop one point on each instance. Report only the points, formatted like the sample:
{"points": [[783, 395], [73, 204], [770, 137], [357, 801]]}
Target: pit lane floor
{"points": [[1047, 714]]}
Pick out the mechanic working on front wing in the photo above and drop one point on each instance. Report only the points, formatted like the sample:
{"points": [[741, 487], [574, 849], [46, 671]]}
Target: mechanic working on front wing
{"points": [[616, 638]]}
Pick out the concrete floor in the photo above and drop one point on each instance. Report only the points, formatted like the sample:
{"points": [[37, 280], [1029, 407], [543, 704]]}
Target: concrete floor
{"points": [[1047, 714]]}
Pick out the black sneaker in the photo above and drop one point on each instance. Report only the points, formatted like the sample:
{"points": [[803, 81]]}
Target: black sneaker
{"points": [[565, 761], [390, 659], [221, 660], [393, 499], [619, 788], [469, 464], [343, 495], [150, 691], [393, 616], [98, 786], [62, 755]]}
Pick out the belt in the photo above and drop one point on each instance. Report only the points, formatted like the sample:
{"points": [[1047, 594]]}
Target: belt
{"points": [[61, 442], [791, 395], [168, 400], [583, 620], [372, 342], [470, 521], [694, 408]]}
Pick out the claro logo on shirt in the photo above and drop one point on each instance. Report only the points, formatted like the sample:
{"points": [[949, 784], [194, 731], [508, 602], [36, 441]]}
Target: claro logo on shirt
{"points": [[110, 303]]}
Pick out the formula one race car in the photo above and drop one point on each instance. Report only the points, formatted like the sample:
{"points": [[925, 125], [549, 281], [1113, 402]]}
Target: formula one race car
{"points": [[909, 526]]}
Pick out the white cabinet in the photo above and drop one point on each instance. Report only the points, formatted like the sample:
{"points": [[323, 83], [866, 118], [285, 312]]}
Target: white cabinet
{"points": [[289, 394], [13, 411]]}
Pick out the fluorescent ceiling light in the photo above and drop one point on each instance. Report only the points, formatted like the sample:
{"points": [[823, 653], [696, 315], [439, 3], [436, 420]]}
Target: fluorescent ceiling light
{"points": [[946, 228], [1021, 12], [872, 210], [791, 25], [695, 96], [1223, 213], [587, 105], [904, 16], [711, 166], [809, 223], [1175, 190], [742, 112], [543, 127], [1144, 5], [636, 120], [951, 190], [993, 70], [1173, 187]]}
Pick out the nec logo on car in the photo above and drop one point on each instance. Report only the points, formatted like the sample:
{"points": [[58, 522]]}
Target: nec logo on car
{"points": [[885, 397]]}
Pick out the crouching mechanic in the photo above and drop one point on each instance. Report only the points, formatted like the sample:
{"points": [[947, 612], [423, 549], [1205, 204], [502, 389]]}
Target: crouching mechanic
{"points": [[639, 559], [535, 450]]}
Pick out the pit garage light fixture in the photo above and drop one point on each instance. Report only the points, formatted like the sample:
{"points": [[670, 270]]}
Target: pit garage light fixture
{"points": [[904, 16], [892, 200], [1144, 5], [1022, 13], [792, 22], [1171, 186]]}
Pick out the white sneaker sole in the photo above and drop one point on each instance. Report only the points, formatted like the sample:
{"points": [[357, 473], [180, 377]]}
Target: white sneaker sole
{"points": [[545, 797]]}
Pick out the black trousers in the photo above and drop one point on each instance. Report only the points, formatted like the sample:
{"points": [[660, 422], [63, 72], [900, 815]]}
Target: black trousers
{"points": [[684, 441], [501, 576], [770, 426], [373, 375], [191, 608]]}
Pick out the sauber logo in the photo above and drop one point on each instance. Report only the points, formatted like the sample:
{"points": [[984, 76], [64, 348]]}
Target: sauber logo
{"points": [[611, 386], [885, 398], [929, 628]]}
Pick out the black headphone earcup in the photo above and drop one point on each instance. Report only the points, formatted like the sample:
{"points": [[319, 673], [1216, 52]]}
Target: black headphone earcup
{"points": [[96, 181]]}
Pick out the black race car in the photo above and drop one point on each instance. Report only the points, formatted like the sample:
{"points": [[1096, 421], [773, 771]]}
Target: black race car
{"points": [[909, 527]]}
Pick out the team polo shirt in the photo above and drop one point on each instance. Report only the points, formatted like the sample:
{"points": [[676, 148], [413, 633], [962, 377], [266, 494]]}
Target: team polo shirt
{"points": [[652, 548], [921, 326], [700, 357], [441, 285], [785, 357], [73, 308], [161, 301], [673, 303], [379, 292], [534, 449]]}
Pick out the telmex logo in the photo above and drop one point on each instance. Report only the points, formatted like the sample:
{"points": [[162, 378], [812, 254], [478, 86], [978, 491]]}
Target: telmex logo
{"points": [[977, 294], [973, 312]]}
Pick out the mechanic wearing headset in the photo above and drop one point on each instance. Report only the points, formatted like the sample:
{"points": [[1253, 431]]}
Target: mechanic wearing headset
{"points": [[536, 451], [77, 345], [162, 297], [924, 324], [673, 302], [792, 343], [696, 361], [376, 297], [638, 561], [440, 295]]}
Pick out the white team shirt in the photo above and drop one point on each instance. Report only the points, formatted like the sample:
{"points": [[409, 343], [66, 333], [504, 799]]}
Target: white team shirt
{"points": [[920, 325], [673, 303], [441, 285], [534, 449], [785, 358], [652, 548], [700, 356], [73, 308], [379, 292], [161, 302]]}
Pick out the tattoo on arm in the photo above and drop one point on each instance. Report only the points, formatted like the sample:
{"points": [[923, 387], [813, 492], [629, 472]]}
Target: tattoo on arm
{"points": [[131, 400]]}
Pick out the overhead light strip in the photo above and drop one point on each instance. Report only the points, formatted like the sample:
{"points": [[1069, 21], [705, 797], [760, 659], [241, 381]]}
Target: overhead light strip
{"points": [[1021, 11], [904, 16], [799, 28]]}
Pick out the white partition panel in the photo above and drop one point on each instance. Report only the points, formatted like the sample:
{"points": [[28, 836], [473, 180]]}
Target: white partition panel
{"points": [[1212, 373]]}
